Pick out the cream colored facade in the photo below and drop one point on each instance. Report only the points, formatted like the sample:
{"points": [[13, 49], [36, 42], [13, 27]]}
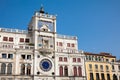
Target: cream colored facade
{"points": [[40, 53], [116, 70], [98, 66]]}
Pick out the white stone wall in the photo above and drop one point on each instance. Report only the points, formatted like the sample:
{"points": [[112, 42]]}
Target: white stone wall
{"points": [[39, 53]]}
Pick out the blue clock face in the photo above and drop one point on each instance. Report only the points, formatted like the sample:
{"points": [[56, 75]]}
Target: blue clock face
{"points": [[45, 65], [49, 24]]}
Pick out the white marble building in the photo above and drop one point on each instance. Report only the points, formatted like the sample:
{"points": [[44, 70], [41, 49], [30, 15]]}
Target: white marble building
{"points": [[40, 53]]}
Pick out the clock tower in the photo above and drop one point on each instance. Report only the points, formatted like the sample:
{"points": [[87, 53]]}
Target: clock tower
{"points": [[42, 28]]}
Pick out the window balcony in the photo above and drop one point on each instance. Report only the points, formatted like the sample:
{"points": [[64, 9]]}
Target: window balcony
{"points": [[45, 51], [90, 70], [102, 70], [96, 70], [69, 51], [107, 70], [27, 47], [6, 45], [12, 46], [113, 70]]}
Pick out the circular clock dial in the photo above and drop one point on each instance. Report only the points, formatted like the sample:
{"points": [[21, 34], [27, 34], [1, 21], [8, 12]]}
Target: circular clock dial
{"points": [[45, 65]]}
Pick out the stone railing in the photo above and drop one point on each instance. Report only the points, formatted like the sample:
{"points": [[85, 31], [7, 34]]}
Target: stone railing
{"points": [[66, 37], [13, 30], [44, 15], [12, 46]]}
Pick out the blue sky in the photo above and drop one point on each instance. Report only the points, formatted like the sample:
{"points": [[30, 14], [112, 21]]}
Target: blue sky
{"points": [[95, 22]]}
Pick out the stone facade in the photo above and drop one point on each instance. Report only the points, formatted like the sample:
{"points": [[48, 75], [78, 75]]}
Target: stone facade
{"points": [[116, 70], [99, 66], [40, 53]]}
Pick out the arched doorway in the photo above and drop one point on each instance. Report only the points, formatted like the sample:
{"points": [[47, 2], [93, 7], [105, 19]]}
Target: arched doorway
{"points": [[115, 77]]}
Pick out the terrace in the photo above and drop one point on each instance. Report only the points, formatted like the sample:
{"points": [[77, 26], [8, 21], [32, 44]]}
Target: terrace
{"points": [[13, 30], [66, 37]]}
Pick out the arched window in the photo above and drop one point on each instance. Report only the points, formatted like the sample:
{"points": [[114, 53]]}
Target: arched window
{"points": [[66, 71], [101, 67], [96, 66], [61, 71], [28, 69], [3, 68], [9, 68], [75, 71], [107, 67], [23, 69], [91, 76], [108, 76], [102, 76], [97, 76], [79, 71], [89, 57], [115, 77], [90, 66], [78, 60], [113, 67]]}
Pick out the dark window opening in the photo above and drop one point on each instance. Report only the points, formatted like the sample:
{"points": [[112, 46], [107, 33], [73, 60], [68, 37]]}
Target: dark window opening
{"points": [[73, 45], [96, 66], [78, 60], [5, 38], [3, 68], [75, 71], [21, 39], [28, 56], [119, 67], [115, 77], [11, 39], [108, 76], [91, 76], [9, 68], [60, 44], [23, 69], [27, 40], [10, 56], [113, 60], [107, 60], [80, 71], [97, 76], [107, 67], [57, 43], [23, 56], [45, 30], [74, 59], [101, 67], [4, 55], [102, 76], [60, 58], [90, 66], [113, 67], [28, 69], [61, 71], [68, 44], [65, 59], [66, 71]]}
